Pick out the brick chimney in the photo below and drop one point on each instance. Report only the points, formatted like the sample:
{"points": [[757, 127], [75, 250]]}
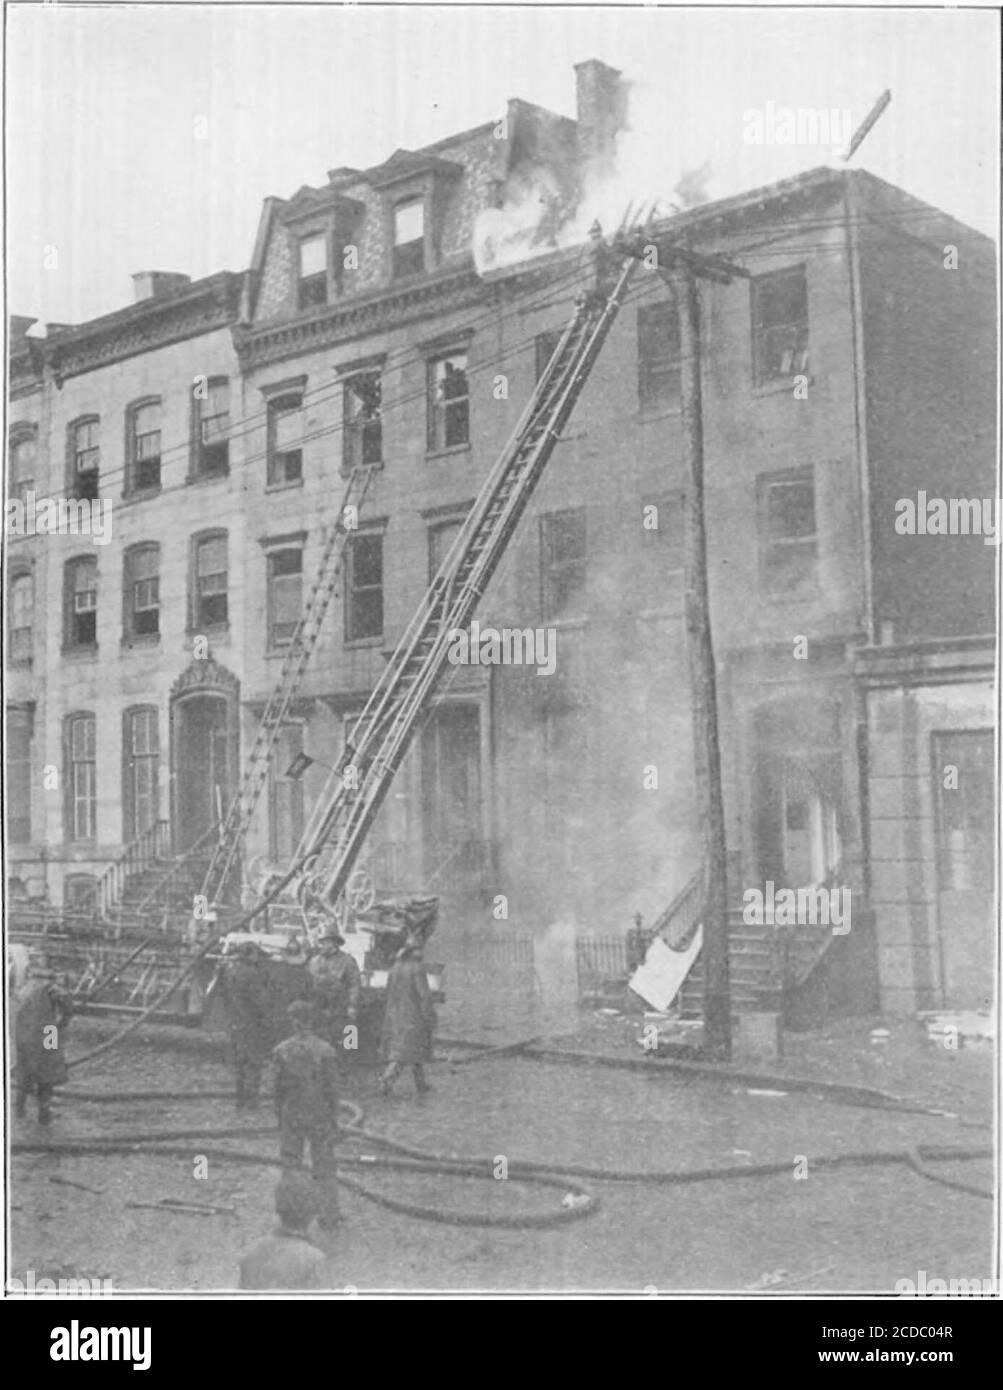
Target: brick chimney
{"points": [[157, 284], [602, 112]]}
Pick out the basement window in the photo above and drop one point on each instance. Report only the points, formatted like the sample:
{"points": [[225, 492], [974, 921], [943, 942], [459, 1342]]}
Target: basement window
{"points": [[409, 238], [779, 325]]}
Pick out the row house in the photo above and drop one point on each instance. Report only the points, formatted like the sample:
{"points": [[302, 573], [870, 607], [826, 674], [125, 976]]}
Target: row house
{"points": [[854, 368]]}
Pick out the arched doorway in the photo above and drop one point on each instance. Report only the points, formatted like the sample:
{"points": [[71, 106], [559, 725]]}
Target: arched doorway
{"points": [[204, 750]]}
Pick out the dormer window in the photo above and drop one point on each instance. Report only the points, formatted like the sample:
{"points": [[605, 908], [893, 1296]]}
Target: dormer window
{"points": [[313, 271], [409, 238]]}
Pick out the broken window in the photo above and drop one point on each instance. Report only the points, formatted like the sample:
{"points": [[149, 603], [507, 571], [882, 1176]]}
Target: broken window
{"points": [[788, 539], [313, 271], [562, 564], [81, 779], [780, 325], [21, 597], [212, 444], [449, 402], [210, 607], [285, 595], [85, 450], [141, 575], [659, 377], [364, 590], [409, 238], [81, 614], [285, 448], [363, 420]]}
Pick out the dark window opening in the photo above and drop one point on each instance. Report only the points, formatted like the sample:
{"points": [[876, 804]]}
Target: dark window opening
{"points": [[285, 595], [788, 539], [449, 402], [409, 238], [659, 379], [363, 420], [312, 290], [780, 325], [285, 455], [18, 756], [142, 592], [213, 443], [562, 563], [81, 603], [211, 582], [86, 460], [146, 447], [364, 590]]}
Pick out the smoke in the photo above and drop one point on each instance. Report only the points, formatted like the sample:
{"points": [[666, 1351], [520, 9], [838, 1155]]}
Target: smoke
{"points": [[654, 164]]}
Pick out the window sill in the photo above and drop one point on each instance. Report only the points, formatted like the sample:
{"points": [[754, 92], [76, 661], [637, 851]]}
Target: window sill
{"points": [[283, 487], [210, 630], [81, 653], [361, 643], [197, 479], [779, 388], [432, 454], [141, 494], [141, 639], [347, 469]]}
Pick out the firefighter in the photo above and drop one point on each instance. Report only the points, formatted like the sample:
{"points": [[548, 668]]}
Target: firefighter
{"points": [[409, 1021], [336, 985], [288, 1259], [43, 1011], [245, 986], [306, 1104]]}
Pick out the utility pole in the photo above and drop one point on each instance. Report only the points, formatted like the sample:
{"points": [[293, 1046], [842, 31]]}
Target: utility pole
{"points": [[680, 269]]}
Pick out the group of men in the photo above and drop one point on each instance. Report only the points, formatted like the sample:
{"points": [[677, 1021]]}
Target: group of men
{"points": [[308, 1069]]}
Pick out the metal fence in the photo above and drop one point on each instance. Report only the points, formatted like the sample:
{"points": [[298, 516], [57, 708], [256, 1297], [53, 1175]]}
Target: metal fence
{"points": [[600, 960]]}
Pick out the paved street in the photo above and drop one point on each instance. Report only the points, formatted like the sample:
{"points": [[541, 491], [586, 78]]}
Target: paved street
{"points": [[859, 1228]]}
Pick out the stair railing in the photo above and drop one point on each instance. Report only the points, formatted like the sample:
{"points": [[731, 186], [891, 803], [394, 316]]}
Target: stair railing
{"points": [[136, 858]]}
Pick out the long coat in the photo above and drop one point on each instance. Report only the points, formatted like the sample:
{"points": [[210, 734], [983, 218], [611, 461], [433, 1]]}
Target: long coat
{"points": [[248, 1006], [42, 1006], [409, 1021]]}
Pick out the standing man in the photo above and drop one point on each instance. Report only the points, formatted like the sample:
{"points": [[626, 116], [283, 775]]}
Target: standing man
{"points": [[43, 1011], [336, 984], [409, 1021], [306, 1104], [288, 1259], [245, 987]]}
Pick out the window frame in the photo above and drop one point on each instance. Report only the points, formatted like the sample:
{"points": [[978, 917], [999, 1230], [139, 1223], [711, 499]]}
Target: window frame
{"points": [[659, 377], [19, 577], [148, 756], [762, 379], [354, 425], [71, 610], [130, 606], [409, 259], [277, 406], [313, 291], [353, 590], [438, 411], [19, 824], [200, 471], [272, 642], [778, 585], [548, 565], [198, 541], [133, 461], [18, 435], [88, 798], [74, 472]]}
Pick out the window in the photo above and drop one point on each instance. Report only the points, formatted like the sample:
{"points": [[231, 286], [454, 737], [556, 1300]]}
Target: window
{"points": [[363, 420], [313, 271], [21, 597], [285, 595], [562, 563], [210, 605], [545, 346], [449, 402], [141, 579], [141, 766], [144, 446], [659, 381], [440, 540], [81, 603], [212, 418], [285, 796], [364, 590], [81, 779], [85, 458], [80, 893], [788, 541], [409, 238], [23, 455], [779, 325], [965, 821], [285, 446], [18, 754]]}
